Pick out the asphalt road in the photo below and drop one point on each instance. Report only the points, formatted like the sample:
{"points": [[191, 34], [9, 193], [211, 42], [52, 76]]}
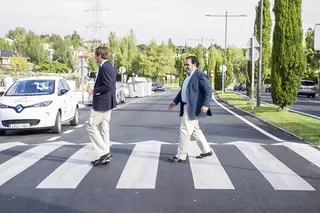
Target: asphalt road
{"points": [[303, 104], [255, 168]]}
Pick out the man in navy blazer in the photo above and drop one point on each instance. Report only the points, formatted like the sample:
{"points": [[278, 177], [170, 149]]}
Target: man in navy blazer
{"points": [[194, 99], [104, 100]]}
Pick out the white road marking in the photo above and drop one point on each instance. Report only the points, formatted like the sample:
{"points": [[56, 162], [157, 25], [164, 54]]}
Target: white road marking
{"points": [[9, 145], [141, 169], [248, 122], [305, 151], [279, 175], [21, 162], [53, 138], [79, 126], [208, 173], [71, 172], [68, 131]]}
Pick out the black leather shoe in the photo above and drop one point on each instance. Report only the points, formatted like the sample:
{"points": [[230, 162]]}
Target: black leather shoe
{"points": [[103, 160], [203, 155], [176, 160]]}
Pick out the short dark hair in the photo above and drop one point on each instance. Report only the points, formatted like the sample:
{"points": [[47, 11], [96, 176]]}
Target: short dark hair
{"points": [[194, 60], [103, 51]]}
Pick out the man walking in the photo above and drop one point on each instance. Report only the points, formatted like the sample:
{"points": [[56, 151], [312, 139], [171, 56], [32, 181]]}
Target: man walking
{"points": [[194, 98], [104, 100]]}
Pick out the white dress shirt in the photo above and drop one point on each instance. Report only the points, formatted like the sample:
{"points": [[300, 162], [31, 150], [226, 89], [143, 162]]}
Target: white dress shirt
{"points": [[184, 97], [100, 66]]}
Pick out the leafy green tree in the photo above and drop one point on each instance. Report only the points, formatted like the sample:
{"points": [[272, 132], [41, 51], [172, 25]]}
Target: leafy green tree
{"points": [[266, 36], [18, 32], [5, 46], [313, 57], [288, 58], [53, 67], [18, 65]]}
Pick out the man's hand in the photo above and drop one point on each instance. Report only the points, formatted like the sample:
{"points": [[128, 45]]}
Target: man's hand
{"points": [[171, 106], [90, 91], [204, 109]]}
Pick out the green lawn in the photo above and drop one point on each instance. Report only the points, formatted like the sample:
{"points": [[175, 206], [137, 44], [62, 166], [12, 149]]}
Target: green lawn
{"points": [[300, 125]]}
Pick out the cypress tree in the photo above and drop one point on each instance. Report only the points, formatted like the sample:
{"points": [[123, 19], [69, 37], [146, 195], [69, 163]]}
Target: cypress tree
{"points": [[266, 37], [288, 59], [266, 47]]}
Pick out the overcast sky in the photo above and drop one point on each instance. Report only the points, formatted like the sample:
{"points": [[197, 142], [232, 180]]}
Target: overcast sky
{"points": [[181, 20]]}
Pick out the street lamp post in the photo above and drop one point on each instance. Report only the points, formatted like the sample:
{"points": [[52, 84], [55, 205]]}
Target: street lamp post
{"points": [[225, 41], [260, 59]]}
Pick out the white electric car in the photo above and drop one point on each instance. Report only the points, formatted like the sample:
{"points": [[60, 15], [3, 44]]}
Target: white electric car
{"points": [[38, 103]]}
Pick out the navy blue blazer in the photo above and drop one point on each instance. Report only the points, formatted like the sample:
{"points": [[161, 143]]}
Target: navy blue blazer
{"points": [[199, 93], [104, 91]]}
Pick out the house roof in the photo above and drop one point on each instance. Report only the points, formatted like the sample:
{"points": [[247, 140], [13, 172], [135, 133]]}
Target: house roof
{"points": [[7, 54]]}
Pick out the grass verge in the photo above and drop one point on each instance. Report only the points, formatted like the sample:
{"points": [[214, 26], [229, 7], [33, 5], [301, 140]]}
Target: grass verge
{"points": [[305, 127]]}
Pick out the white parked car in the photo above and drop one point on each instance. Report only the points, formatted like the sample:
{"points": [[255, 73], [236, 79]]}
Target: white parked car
{"points": [[120, 92], [38, 103]]}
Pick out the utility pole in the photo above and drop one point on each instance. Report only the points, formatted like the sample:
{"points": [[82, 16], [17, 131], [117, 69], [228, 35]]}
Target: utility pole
{"points": [[260, 59], [226, 16], [96, 25], [201, 39]]}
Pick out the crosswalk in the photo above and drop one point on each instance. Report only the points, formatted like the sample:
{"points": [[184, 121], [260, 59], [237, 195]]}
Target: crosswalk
{"points": [[143, 161]]}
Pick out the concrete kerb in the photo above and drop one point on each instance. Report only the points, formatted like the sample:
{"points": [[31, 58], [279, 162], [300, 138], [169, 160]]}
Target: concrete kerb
{"points": [[290, 110], [263, 120]]}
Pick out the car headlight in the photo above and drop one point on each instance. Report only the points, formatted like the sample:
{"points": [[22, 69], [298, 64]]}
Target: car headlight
{"points": [[42, 104], [2, 106]]}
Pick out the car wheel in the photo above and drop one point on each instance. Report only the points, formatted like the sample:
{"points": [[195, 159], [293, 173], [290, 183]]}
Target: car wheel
{"points": [[2, 132], [57, 126], [314, 95], [75, 120]]}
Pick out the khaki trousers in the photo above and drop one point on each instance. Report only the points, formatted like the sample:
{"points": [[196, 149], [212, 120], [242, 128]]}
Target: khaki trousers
{"points": [[98, 129], [190, 128]]}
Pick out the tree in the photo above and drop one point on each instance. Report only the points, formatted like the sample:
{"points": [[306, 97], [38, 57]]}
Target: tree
{"points": [[114, 47], [128, 51], [266, 36], [64, 52], [53, 67], [213, 56], [18, 65], [5, 46], [288, 59], [313, 57], [18, 32]]}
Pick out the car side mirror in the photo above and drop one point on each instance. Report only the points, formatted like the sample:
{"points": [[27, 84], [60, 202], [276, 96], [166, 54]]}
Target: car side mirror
{"points": [[63, 91]]}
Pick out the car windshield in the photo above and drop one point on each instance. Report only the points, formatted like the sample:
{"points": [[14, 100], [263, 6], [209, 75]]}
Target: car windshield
{"points": [[31, 88], [307, 83]]}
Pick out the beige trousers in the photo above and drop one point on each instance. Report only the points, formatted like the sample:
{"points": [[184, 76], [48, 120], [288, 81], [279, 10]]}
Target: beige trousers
{"points": [[190, 128], [98, 129]]}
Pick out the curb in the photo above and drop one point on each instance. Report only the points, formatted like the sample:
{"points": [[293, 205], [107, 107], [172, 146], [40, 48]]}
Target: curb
{"points": [[264, 121], [289, 110]]}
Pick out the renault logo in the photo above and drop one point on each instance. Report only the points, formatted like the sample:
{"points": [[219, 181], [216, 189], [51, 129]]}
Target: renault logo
{"points": [[19, 108]]}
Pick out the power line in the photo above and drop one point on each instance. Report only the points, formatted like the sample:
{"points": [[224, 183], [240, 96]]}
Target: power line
{"points": [[202, 40], [96, 25]]}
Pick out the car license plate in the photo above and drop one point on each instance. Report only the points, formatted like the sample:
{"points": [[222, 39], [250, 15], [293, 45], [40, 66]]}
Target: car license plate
{"points": [[19, 126]]}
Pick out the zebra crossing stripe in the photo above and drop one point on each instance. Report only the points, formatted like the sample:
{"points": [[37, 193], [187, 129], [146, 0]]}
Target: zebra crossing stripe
{"points": [[71, 172], [279, 175], [21, 162], [141, 169], [306, 151], [5, 146], [208, 173]]}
